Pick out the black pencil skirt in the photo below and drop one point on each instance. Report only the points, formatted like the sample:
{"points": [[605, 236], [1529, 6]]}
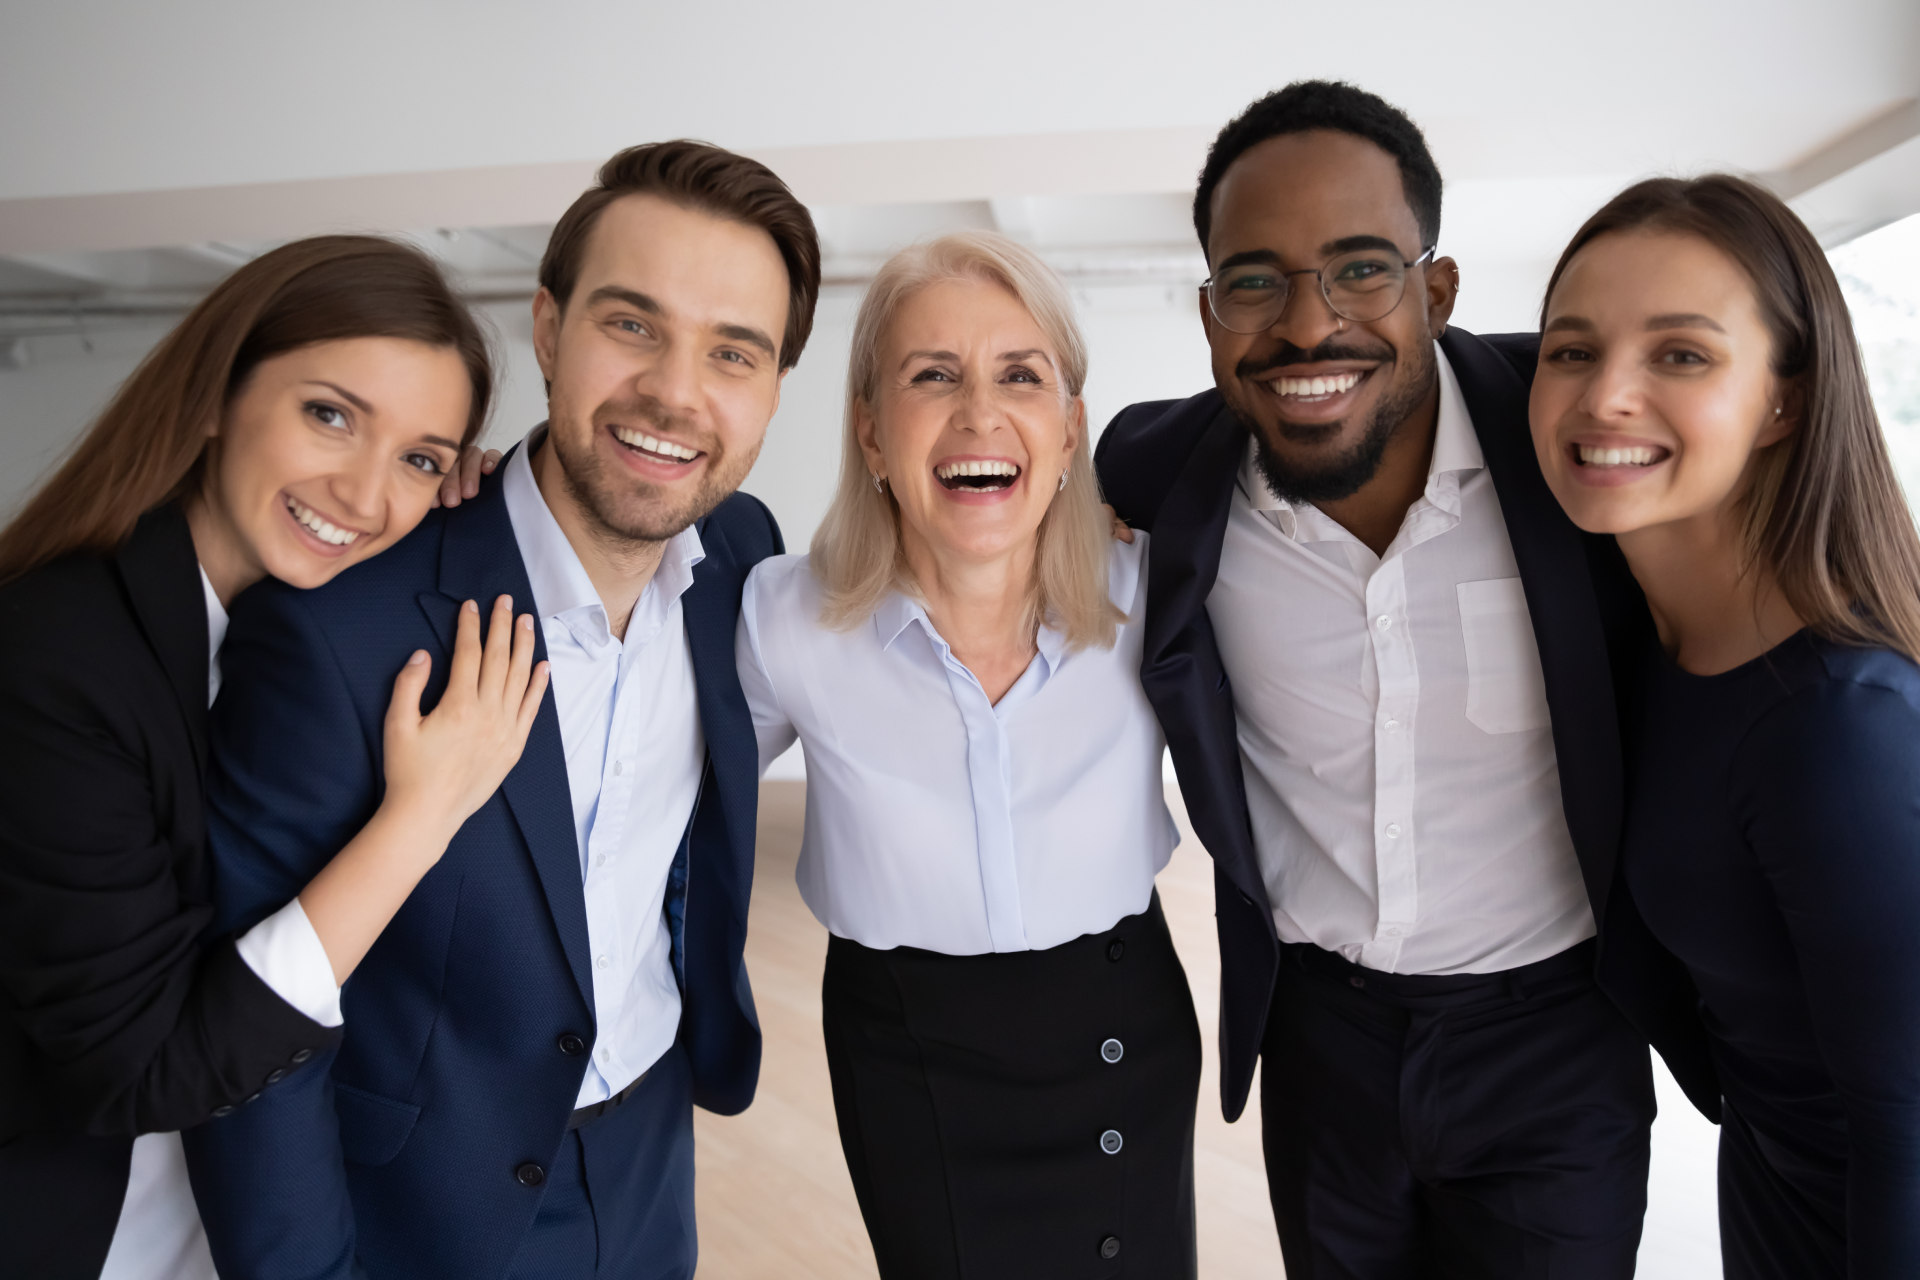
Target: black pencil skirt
{"points": [[1021, 1114]]}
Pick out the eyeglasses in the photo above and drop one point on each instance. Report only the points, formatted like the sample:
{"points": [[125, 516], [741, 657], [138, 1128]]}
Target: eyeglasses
{"points": [[1359, 286]]}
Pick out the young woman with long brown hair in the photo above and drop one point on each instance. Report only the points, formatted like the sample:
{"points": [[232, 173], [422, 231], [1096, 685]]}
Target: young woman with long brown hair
{"points": [[304, 417], [1700, 397]]}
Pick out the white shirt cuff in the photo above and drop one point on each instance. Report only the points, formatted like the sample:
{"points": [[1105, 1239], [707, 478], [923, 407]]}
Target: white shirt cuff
{"points": [[285, 953]]}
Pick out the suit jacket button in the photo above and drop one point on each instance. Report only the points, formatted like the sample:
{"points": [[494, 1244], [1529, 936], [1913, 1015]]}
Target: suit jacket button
{"points": [[302, 1056], [222, 1111], [1110, 1247], [571, 1045], [529, 1175], [276, 1076], [1110, 1142], [1116, 949]]}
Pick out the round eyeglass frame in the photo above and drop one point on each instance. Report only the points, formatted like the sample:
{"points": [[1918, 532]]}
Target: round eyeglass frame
{"points": [[1358, 314]]}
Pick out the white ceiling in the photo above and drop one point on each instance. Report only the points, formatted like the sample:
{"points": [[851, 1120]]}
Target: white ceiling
{"points": [[227, 126]]}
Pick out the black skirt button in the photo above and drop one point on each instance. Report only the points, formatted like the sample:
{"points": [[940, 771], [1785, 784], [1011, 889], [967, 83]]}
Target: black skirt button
{"points": [[1110, 1142], [1112, 1050], [1110, 1247], [1116, 949], [529, 1175]]}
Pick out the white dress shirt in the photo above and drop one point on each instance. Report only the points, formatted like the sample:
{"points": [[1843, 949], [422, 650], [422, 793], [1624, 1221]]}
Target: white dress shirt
{"points": [[629, 715], [936, 819], [1393, 726]]}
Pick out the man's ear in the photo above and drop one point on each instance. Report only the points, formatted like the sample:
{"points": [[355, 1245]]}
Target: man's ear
{"points": [[546, 332], [1443, 287], [1206, 315]]}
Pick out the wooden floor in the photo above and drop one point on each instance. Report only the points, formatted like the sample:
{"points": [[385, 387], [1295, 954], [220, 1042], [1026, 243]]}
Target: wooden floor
{"points": [[774, 1200]]}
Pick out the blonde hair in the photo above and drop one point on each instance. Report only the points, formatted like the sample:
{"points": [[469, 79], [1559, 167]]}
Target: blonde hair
{"points": [[857, 551]]}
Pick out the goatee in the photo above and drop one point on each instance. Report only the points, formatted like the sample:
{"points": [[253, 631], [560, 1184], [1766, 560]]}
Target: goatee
{"points": [[1345, 474]]}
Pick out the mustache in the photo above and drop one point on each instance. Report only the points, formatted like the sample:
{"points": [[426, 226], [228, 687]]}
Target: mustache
{"points": [[648, 410], [1329, 350]]}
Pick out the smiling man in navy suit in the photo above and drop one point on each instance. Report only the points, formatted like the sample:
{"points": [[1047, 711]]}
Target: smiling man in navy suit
{"points": [[1390, 672], [524, 1045]]}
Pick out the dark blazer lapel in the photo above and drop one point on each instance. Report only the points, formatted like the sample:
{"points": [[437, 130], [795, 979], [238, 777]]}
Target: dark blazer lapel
{"points": [[1180, 665], [1556, 575], [480, 561], [161, 573], [711, 610]]}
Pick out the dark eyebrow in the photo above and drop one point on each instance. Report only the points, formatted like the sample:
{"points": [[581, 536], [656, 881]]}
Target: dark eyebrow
{"points": [[1265, 257], [1348, 244], [343, 393], [632, 297], [752, 337], [1577, 323], [1684, 320], [442, 440]]}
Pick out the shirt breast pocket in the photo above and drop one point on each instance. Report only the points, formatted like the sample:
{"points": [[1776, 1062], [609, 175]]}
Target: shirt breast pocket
{"points": [[1506, 692]]}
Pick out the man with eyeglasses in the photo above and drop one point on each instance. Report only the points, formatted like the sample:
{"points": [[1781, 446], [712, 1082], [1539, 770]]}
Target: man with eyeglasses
{"points": [[1383, 659]]}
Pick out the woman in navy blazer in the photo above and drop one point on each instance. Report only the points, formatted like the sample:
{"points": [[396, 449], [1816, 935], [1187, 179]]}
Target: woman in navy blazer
{"points": [[1700, 397], [304, 417]]}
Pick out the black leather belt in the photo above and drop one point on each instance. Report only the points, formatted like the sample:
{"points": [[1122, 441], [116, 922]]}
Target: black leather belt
{"points": [[594, 1110]]}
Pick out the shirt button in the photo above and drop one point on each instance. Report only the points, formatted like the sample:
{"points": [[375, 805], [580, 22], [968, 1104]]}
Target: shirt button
{"points": [[1393, 833], [1112, 1050], [1392, 725], [616, 768], [603, 962], [600, 860], [1383, 622], [1110, 1142], [1393, 931]]}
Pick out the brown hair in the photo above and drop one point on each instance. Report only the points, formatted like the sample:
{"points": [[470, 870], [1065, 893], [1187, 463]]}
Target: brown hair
{"points": [[699, 176], [150, 446], [1823, 509]]}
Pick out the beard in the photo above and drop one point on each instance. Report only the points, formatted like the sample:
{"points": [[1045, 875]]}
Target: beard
{"points": [[1347, 472], [620, 507]]}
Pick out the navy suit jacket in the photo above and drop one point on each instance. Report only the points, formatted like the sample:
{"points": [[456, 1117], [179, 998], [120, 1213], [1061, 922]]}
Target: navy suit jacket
{"points": [[400, 1159], [1169, 467]]}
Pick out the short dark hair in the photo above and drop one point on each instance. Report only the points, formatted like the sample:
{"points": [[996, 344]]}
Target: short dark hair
{"points": [[699, 176], [1327, 104]]}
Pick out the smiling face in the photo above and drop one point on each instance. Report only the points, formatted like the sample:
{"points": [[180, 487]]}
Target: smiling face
{"points": [[328, 455], [971, 424], [663, 365], [1323, 395], [1655, 386]]}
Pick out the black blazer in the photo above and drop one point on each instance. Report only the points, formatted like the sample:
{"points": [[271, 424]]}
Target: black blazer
{"points": [[120, 1017], [1169, 466]]}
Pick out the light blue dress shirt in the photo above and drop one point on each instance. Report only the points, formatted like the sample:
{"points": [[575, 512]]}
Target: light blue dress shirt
{"points": [[630, 723], [939, 820]]}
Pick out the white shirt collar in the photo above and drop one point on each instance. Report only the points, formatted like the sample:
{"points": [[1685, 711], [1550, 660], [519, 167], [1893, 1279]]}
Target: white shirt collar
{"points": [[1456, 452], [216, 634], [899, 611], [561, 588]]}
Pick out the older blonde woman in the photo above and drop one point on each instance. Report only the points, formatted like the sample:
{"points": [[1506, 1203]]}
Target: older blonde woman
{"points": [[1013, 1048]]}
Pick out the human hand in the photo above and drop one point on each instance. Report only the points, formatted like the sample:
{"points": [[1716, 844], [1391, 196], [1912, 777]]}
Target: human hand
{"points": [[1121, 530], [442, 767], [464, 480]]}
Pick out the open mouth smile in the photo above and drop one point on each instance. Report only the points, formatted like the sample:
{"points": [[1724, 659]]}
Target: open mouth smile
{"points": [[1586, 455], [654, 449], [978, 475], [322, 529], [1316, 390]]}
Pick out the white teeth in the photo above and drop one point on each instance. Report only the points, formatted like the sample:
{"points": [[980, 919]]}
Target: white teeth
{"points": [[1331, 385], [1636, 456], [323, 529], [995, 467], [664, 448]]}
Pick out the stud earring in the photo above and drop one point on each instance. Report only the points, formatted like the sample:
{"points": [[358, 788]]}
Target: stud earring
{"points": [[879, 485], [1776, 411]]}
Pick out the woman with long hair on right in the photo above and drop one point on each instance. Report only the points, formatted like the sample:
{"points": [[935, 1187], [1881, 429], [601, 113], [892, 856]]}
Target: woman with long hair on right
{"points": [[1700, 397]]}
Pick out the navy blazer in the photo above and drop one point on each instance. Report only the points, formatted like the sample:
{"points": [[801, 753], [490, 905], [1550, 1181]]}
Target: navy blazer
{"points": [[1169, 467], [455, 1069]]}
